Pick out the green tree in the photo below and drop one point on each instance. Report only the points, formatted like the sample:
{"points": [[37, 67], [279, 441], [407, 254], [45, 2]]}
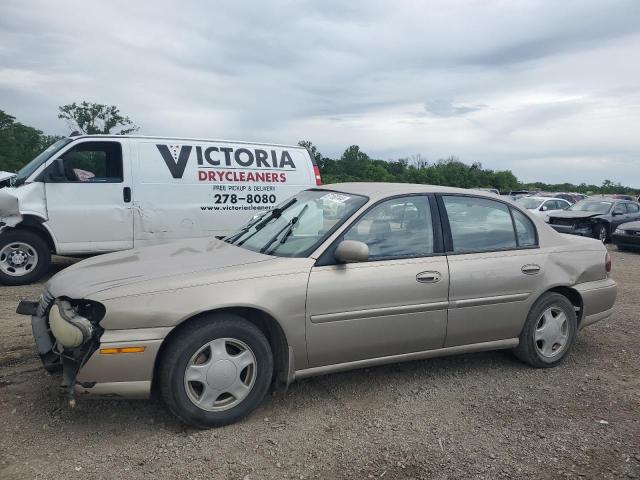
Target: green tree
{"points": [[96, 118], [19, 143]]}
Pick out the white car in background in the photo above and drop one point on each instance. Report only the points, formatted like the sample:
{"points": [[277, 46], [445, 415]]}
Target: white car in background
{"points": [[542, 205]]}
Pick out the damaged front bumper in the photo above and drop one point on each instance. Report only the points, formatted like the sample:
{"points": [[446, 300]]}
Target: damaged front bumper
{"points": [[66, 334], [93, 361]]}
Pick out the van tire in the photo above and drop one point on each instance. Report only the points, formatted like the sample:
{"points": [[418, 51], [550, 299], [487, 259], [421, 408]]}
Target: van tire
{"points": [[563, 324], [185, 398], [30, 243]]}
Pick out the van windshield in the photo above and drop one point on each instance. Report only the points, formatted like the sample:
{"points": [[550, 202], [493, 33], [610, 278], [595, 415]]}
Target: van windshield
{"points": [[26, 171], [298, 225]]}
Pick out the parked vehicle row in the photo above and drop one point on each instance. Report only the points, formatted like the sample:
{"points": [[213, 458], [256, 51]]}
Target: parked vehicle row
{"points": [[334, 278]]}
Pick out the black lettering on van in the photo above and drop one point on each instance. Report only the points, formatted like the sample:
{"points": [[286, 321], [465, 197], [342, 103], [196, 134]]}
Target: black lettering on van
{"points": [[274, 159], [285, 159], [208, 158], [246, 162], [175, 165], [227, 155], [261, 157], [199, 155]]}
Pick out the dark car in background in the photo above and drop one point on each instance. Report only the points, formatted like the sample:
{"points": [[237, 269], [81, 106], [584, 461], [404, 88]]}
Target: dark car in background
{"points": [[627, 236], [593, 217]]}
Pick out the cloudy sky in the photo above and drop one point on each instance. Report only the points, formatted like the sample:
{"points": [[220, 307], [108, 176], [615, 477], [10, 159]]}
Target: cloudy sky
{"points": [[548, 89]]}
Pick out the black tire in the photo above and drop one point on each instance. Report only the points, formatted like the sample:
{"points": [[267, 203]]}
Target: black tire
{"points": [[529, 349], [601, 232], [189, 340], [33, 241]]}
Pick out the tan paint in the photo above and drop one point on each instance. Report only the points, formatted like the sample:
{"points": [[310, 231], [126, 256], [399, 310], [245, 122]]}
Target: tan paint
{"points": [[334, 317]]}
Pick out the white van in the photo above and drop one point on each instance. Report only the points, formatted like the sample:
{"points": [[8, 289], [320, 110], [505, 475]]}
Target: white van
{"points": [[102, 193]]}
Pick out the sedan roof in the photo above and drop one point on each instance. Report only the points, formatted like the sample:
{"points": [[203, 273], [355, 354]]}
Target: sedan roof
{"points": [[373, 189]]}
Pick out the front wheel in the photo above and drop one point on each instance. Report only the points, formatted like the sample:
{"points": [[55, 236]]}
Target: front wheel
{"points": [[24, 257], [549, 332], [216, 371]]}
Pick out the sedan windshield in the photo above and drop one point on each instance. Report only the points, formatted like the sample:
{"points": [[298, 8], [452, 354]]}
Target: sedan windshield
{"points": [[298, 225], [529, 203], [593, 206], [26, 171]]}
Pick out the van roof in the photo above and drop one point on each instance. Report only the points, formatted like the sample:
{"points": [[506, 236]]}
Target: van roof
{"points": [[184, 139]]}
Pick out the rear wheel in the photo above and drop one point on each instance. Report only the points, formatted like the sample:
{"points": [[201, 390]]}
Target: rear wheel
{"points": [[24, 257], [216, 371], [549, 332], [600, 232]]}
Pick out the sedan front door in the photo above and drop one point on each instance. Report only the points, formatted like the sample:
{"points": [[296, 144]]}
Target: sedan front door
{"points": [[392, 304]]}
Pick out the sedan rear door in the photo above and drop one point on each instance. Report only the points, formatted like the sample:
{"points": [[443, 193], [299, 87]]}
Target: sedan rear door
{"points": [[495, 267]]}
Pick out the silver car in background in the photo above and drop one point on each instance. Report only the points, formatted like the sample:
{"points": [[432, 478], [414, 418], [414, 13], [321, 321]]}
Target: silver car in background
{"points": [[337, 277]]}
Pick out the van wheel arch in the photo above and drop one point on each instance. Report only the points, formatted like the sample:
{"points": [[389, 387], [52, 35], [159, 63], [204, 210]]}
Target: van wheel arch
{"points": [[265, 322], [34, 224]]}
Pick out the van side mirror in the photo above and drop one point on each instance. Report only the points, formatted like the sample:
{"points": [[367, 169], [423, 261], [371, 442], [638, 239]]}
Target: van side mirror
{"points": [[352, 251], [544, 208]]}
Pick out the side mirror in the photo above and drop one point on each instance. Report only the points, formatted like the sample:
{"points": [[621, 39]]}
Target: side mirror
{"points": [[616, 213], [543, 208], [352, 251]]}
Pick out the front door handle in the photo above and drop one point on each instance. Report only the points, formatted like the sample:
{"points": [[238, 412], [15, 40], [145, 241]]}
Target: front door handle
{"points": [[126, 194], [530, 269], [428, 277]]}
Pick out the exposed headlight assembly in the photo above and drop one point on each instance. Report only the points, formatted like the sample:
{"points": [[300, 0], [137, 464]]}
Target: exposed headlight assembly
{"points": [[70, 329]]}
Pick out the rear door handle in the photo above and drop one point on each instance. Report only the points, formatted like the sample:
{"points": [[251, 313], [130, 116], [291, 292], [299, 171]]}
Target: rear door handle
{"points": [[428, 277], [530, 269], [126, 194]]}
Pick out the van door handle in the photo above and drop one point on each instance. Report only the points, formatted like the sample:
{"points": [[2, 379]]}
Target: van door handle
{"points": [[126, 194], [428, 277], [530, 269]]}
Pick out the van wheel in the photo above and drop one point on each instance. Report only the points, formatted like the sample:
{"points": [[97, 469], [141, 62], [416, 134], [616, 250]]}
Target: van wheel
{"points": [[24, 257], [215, 371], [549, 332]]}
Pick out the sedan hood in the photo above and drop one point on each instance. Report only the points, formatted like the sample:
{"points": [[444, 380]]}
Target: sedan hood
{"points": [[574, 214], [161, 267]]}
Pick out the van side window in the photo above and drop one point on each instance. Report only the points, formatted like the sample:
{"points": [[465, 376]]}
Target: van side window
{"points": [[90, 162]]}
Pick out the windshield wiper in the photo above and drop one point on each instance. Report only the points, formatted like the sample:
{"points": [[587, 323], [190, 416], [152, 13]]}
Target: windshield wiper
{"points": [[287, 229], [275, 213]]}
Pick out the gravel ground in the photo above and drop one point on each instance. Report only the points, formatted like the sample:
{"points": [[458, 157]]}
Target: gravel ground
{"points": [[472, 416]]}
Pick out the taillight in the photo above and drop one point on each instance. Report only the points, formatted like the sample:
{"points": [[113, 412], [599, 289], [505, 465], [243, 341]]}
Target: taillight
{"points": [[607, 263], [316, 172]]}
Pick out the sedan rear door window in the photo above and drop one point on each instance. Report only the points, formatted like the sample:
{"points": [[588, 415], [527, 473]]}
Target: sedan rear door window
{"points": [[479, 224]]}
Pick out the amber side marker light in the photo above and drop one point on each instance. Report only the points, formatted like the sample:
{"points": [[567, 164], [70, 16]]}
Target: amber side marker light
{"points": [[113, 351]]}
